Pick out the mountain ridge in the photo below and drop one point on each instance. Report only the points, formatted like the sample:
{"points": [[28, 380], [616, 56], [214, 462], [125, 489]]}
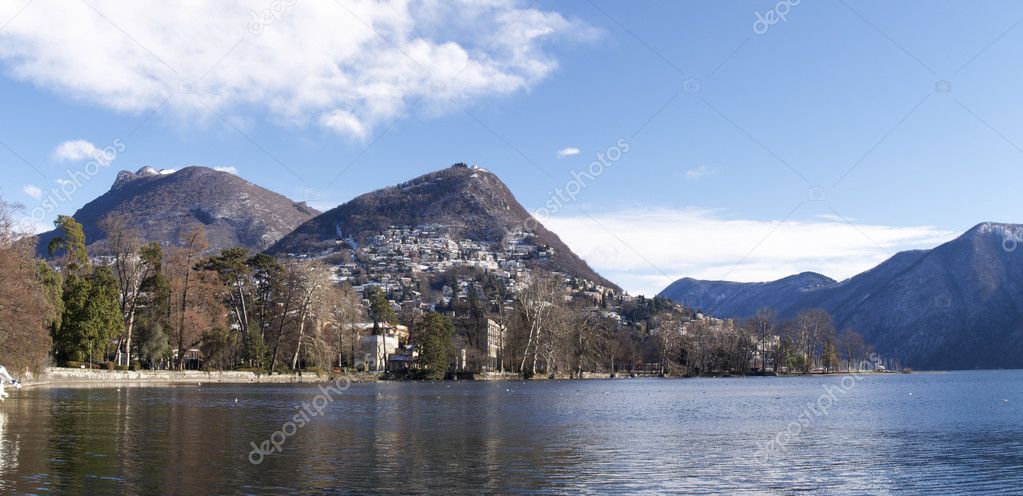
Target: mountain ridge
{"points": [[163, 204], [958, 305], [469, 202]]}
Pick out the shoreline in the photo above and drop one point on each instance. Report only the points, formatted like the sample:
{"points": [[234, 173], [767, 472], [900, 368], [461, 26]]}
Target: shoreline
{"points": [[60, 377]]}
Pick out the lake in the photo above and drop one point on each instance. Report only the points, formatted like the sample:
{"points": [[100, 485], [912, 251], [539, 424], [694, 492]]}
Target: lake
{"points": [[959, 432]]}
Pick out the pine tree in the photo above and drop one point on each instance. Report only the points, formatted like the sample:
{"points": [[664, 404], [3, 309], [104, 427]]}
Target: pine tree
{"points": [[72, 242], [435, 334], [380, 310]]}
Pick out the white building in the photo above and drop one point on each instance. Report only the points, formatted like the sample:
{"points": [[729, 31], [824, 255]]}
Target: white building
{"points": [[374, 350]]}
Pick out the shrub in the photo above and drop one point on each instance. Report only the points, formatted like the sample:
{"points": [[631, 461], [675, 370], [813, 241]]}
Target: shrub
{"points": [[110, 365]]}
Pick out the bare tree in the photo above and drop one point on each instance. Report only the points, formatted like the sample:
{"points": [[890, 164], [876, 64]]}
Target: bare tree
{"points": [[196, 293], [763, 328], [812, 327], [853, 349], [314, 306], [133, 265], [667, 335], [536, 306], [345, 311], [24, 305]]}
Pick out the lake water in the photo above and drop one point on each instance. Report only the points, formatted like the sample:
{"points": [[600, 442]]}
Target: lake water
{"points": [[904, 434]]}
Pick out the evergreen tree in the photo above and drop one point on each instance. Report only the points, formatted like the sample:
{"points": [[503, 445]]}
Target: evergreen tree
{"points": [[255, 349], [154, 322], [434, 336], [72, 242], [380, 310], [92, 316]]}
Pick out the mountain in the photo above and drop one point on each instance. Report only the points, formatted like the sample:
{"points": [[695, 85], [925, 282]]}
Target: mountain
{"points": [[466, 203], [742, 299], [957, 306], [164, 204]]}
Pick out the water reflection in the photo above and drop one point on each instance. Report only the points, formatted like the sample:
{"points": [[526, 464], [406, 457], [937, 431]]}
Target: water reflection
{"points": [[962, 431]]}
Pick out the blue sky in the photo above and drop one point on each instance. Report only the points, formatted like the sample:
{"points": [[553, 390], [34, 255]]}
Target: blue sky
{"points": [[845, 132]]}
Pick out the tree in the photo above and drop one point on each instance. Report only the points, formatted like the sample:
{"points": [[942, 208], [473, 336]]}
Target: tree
{"points": [[232, 265], [72, 242], [53, 286], [812, 326], [26, 307], [155, 315], [218, 348], [668, 338], [345, 310], [434, 334], [853, 349], [197, 294], [92, 316], [535, 306], [254, 350], [91, 298], [315, 280], [763, 328], [269, 277], [134, 264], [380, 311]]}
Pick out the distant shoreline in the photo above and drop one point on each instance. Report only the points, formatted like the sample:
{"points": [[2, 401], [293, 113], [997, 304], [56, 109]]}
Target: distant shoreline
{"points": [[61, 377]]}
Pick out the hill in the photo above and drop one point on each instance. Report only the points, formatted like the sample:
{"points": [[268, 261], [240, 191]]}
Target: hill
{"points": [[461, 203], [164, 204]]}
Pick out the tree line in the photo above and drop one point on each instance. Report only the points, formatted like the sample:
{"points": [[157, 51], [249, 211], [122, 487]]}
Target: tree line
{"points": [[134, 304]]}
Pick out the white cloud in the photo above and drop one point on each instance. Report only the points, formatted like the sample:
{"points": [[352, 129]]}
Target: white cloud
{"points": [[229, 169], [30, 227], [568, 152], [649, 249], [700, 172], [33, 191], [79, 150], [343, 122], [348, 66]]}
